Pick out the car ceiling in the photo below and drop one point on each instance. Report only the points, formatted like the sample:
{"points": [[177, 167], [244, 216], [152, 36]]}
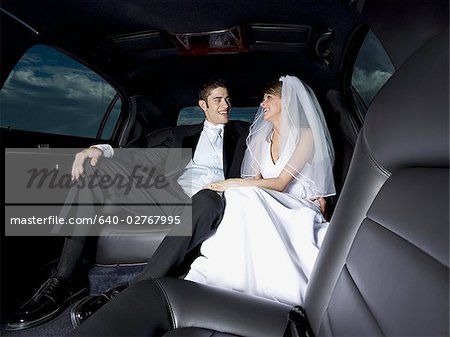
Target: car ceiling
{"points": [[89, 31], [82, 27]]}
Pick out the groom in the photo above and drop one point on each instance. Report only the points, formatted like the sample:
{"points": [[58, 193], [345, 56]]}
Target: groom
{"points": [[218, 149]]}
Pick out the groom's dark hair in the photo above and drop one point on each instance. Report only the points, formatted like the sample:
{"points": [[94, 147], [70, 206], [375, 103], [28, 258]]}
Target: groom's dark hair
{"points": [[209, 86]]}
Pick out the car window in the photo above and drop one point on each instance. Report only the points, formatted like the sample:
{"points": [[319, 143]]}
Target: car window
{"points": [[371, 70], [112, 117], [195, 115], [50, 92]]}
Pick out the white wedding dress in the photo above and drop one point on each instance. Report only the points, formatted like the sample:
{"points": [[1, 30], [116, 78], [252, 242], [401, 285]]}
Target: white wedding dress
{"points": [[267, 242]]}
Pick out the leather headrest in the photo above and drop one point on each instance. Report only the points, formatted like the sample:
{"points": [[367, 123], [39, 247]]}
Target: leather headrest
{"points": [[407, 123], [148, 114]]}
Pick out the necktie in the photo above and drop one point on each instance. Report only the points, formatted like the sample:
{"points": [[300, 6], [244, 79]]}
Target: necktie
{"points": [[217, 140]]}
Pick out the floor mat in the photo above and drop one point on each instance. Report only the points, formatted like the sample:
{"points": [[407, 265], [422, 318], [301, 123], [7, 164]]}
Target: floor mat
{"points": [[102, 278]]}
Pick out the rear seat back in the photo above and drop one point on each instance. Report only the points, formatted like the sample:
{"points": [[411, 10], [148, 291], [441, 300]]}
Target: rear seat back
{"points": [[383, 268]]}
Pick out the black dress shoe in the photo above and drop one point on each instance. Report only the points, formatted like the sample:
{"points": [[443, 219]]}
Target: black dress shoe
{"points": [[51, 298], [87, 306]]}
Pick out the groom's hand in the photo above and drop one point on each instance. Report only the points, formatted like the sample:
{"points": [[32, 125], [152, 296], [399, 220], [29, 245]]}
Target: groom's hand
{"points": [[78, 165]]}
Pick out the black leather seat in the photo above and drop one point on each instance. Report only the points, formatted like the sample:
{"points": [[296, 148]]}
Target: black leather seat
{"points": [[383, 268], [173, 307]]}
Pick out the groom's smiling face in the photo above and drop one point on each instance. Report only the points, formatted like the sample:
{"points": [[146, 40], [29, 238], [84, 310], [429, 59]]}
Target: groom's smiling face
{"points": [[217, 106]]}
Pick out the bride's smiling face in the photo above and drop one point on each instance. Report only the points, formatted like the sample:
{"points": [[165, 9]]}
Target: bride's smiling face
{"points": [[271, 105]]}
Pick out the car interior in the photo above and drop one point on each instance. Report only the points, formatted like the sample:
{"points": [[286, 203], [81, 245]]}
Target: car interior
{"points": [[77, 73]]}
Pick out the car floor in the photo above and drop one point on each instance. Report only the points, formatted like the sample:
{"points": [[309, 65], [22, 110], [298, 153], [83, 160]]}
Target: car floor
{"points": [[100, 279]]}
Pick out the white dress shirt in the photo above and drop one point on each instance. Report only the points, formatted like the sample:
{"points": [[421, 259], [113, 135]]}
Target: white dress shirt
{"points": [[206, 165], [107, 149]]}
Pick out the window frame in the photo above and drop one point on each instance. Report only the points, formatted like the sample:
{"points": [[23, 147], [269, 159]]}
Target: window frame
{"points": [[106, 115], [351, 96]]}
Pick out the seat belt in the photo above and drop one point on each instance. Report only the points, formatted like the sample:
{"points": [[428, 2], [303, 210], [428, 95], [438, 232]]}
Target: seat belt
{"points": [[298, 324]]}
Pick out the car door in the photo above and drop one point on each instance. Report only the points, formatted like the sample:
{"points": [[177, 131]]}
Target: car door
{"points": [[48, 100]]}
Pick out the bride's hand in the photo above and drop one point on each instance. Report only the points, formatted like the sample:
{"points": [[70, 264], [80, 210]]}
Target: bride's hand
{"points": [[322, 204], [220, 186]]}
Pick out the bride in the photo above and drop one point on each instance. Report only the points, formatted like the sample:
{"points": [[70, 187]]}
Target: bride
{"points": [[272, 227]]}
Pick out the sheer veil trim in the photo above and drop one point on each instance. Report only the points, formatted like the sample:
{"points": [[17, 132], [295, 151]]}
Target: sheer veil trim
{"points": [[300, 112]]}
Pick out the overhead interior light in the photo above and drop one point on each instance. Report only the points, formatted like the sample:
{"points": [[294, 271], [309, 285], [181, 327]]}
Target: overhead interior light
{"points": [[213, 42]]}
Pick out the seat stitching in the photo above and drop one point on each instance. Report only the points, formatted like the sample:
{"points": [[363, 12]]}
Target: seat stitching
{"points": [[407, 241], [363, 299], [330, 323], [168, 305], [328, 318], [372, 158]]}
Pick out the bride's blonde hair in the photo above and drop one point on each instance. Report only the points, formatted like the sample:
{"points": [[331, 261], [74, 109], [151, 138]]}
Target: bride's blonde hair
{"points": [[273, 88]]}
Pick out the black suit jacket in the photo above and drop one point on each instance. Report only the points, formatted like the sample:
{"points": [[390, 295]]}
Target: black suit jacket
{"points": [[187, 136]]}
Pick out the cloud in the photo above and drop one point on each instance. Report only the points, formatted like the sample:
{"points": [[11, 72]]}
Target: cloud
{"points": [[56, 99], [68, 83], [368, 83], [31, 58]]}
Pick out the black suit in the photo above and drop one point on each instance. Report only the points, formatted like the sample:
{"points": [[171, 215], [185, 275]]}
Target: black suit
{"points": [[207, 205]]}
